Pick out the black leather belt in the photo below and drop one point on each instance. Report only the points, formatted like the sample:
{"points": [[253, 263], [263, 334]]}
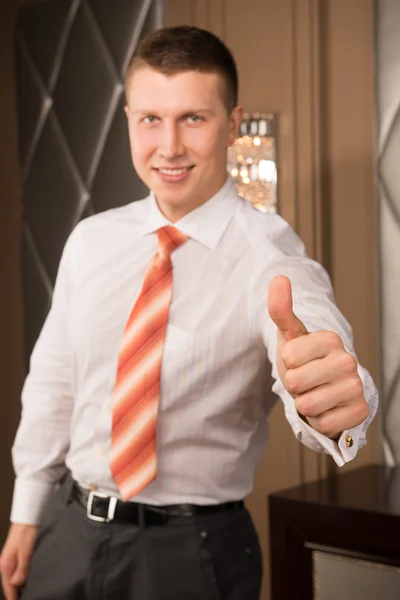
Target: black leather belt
{"points": [[105, 509]]}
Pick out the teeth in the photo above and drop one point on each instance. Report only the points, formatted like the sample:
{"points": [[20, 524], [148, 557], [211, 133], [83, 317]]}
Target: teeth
{"points": [[173, 171]]}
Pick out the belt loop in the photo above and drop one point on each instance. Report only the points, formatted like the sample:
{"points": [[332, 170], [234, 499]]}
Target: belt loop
{"points": [[142, 519]]}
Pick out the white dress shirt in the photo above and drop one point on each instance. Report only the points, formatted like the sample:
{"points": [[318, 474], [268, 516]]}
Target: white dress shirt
{"points": [[219, 378]]}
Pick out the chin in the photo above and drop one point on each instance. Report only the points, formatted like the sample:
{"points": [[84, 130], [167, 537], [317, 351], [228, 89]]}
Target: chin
{"points": [[171, 202], [172, 197]]}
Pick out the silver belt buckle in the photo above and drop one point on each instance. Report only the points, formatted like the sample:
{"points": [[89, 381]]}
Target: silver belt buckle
{"points": [[111, 507]]}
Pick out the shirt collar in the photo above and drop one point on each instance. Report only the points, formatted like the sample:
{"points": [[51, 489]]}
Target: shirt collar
{"points": [[206, 223]]}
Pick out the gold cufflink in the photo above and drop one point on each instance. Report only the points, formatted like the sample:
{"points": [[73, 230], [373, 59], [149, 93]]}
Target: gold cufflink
{"points": [[349, 441]]}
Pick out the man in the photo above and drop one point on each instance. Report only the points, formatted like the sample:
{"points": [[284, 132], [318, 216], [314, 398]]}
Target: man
{"points": [[175, 323]]}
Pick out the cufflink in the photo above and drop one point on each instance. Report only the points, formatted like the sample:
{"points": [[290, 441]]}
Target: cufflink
{"points": [[349, 441]]}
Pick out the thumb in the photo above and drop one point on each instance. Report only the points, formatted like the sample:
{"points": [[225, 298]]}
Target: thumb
{"points": [[280, 308]]}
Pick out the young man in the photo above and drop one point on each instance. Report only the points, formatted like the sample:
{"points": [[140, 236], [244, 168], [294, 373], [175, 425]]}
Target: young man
{"points": [[176, 322]]}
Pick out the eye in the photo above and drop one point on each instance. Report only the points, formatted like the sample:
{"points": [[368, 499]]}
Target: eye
{"points": [[194, 119], [150, 119]]}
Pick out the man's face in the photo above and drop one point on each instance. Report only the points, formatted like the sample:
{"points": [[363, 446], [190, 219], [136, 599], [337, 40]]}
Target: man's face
{"points": [[179, 131]]}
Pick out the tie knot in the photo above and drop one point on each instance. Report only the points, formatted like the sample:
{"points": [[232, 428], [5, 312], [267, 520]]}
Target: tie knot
{"points": [[170, 238]]}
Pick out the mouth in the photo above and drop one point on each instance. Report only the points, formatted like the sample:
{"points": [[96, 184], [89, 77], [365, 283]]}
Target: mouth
{"points": [[173, 171], [173, 176]]}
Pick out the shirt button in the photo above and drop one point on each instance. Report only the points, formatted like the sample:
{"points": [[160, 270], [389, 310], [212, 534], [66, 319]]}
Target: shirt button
{"points": [[349, 441]]}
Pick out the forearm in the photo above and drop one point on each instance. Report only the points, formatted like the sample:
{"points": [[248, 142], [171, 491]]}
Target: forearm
{"points": [[39, 450], [42, 440]]}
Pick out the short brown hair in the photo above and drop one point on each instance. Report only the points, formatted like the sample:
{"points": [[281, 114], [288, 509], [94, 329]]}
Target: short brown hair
{"points": [[172, 50]]}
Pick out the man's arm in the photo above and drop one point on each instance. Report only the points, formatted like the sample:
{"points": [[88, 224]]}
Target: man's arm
{"points": [[319, 373], [42, 439], [329, 399]]}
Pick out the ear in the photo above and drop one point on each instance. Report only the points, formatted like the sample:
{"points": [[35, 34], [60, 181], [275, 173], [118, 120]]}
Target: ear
{"points": [[126, 109], [236, 117]]}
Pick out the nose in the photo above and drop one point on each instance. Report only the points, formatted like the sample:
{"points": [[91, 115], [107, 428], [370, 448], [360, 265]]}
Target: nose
{"points": [[170, 143]]}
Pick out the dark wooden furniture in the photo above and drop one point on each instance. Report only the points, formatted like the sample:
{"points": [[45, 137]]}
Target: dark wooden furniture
{"points": [[355, 514]]}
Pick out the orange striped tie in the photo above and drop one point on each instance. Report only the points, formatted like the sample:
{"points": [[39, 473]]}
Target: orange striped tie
{"points": [[137, 389]]}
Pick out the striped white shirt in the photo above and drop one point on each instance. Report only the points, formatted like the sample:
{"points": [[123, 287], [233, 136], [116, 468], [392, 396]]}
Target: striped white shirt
{"points": [[219, 379]]}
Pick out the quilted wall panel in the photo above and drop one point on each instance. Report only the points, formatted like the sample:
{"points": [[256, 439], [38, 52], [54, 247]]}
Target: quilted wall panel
{"points": [[388, 110], [71, 58]]}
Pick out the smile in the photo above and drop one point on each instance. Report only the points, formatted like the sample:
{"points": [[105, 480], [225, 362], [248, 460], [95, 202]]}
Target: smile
{"points": [[174, 171]]}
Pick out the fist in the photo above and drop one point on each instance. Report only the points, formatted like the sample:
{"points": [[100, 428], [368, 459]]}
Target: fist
{"points": [[315, 368]]}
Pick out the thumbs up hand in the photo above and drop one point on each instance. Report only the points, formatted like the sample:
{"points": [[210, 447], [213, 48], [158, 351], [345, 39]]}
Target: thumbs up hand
{"points": [[315, 368]]}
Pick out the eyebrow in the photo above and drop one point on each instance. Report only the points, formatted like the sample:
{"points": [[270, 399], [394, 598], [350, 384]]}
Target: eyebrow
{"points": [[184, 113]]}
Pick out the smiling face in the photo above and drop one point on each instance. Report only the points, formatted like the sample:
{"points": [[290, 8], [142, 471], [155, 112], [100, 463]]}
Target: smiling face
{"points": [[179, 131]]}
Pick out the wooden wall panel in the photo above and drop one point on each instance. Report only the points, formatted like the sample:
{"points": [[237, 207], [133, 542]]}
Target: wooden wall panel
{"points": [[184, 12]]}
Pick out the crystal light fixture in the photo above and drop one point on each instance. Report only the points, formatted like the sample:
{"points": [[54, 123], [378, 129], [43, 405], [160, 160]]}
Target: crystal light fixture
{"points": [[252, 161]]}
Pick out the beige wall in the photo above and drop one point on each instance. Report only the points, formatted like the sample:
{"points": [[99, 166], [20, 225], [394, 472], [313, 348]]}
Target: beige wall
{"points": [[311, 63]]}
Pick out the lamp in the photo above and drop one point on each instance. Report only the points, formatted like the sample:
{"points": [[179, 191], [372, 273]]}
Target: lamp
{"points": [[252, 161]]}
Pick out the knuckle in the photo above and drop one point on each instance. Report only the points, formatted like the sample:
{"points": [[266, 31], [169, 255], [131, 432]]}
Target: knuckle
{"points": [[347, 362], [360, 411], [363, 411], [306, 406], [288, 357], [325, 425], [291, 382], [333, 340], [357, 387]]}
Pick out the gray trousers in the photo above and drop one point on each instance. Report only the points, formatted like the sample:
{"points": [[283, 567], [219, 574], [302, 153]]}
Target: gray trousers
{"points": [[212, 557]]}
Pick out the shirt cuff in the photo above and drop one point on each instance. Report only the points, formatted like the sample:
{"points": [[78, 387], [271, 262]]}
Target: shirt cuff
{"points": [[310, 437], [30, 499], [339, 450]]}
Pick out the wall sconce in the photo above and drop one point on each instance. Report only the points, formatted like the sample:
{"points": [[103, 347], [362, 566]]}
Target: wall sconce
{"points": [[252, 161]]}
